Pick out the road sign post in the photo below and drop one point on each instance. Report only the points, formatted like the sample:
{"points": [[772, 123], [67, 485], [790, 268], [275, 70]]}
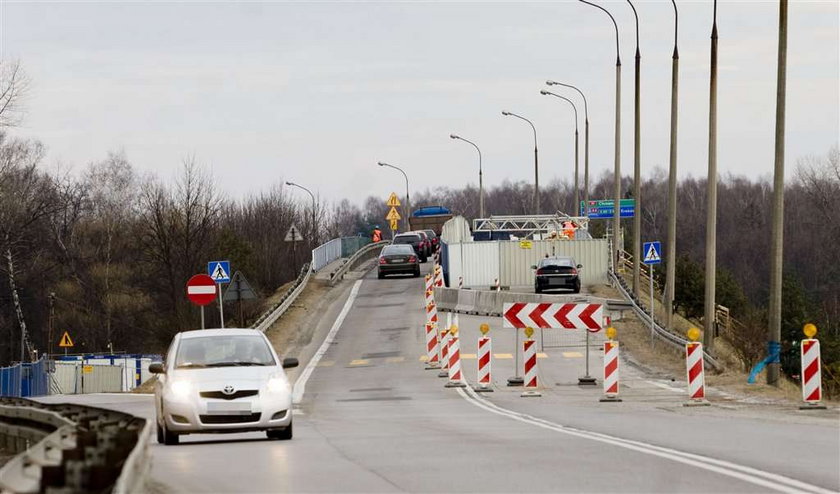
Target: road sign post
{"points": [[653, 255], [65, 342], [294, 236], [201, 290], [220, 272], [393, 216]]}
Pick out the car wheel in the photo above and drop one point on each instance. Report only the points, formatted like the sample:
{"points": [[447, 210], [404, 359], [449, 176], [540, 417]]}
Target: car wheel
{"points": [[537, 289], [380, 275], [169, 438], [160, 436], [576, 289], [283, 434], [417, 272]]}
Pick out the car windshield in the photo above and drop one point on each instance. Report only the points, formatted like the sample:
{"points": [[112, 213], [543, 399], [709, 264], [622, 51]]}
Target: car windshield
{"points": [[406, 239], [397, 250], [223, 351], [557, 262], [431, 233]]}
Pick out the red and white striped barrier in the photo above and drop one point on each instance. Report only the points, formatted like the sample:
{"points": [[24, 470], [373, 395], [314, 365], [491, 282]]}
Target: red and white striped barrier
{"points": [[431, 313], [444, 353], [485, 356], [696, 373], [432, 347], [460, 282], [438, 276], [811, 372], [610, 371], [456, 378], [529, 357]]}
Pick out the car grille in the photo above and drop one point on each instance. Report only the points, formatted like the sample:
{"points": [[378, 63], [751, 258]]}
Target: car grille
{"points": [[242, 393], [229, 419]]}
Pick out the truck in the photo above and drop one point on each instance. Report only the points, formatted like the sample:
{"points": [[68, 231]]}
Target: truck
{"points": [[429, 218]]}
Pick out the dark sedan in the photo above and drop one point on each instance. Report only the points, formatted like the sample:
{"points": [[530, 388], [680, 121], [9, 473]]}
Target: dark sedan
{"points": [[557, 272], [398, 259], [414, 240]]}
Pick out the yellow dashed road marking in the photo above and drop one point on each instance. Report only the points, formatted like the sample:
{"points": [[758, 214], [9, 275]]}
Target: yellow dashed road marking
{"points": [[360, 361], [424, 358], [503, 355], [394, 360], [541, 355], [468, 356], [326, 363], [572, 354]]}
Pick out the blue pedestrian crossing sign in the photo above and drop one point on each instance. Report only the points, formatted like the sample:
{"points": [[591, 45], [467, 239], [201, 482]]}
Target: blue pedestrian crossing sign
{"points": [[652, 253], [219, 271]]}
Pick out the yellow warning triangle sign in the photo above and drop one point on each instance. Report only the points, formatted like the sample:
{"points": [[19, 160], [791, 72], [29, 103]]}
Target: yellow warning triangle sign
{"points": [[393, 224], [65, 342], [393, 200], [393, 215]]}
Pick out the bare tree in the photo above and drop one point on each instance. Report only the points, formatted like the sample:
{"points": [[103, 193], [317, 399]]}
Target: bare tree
{"points": [[13, 88]]}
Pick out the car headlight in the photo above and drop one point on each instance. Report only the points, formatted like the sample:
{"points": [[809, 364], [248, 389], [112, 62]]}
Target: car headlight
{"points": [[180, 388], [278, 385]]}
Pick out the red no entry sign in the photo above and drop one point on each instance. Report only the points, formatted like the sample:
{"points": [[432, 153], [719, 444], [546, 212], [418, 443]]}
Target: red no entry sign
{"points": [[201, 289]]}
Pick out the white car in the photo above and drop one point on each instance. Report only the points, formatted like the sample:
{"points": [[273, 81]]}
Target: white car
{"points": [[222, 380]]}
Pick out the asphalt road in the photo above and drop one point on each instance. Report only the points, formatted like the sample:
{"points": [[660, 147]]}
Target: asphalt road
{"points": [[371, 419]]}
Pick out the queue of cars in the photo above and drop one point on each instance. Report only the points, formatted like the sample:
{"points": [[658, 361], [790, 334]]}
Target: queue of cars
{"points": [[406, 252]]}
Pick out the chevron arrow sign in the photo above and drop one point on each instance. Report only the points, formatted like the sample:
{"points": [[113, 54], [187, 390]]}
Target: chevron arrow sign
{"points": [[545, 316]]}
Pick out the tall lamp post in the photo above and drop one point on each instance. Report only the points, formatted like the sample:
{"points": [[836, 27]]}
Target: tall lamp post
{"points": [[711, 199], [407, 209], [480, 178], [774, 333], [637, 169], [314, 231], [536, 160], [671, 256], [549, 93], [617, 205], [585, 145]]}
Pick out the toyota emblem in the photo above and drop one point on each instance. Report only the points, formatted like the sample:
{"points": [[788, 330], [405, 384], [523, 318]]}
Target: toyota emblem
{"points": [[228, 390]]}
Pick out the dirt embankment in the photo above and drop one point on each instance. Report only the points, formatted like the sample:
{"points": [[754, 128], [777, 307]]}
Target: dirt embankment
{"points": [[664, 360]]}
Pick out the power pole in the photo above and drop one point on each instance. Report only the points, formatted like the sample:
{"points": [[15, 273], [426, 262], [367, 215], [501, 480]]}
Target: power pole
{"points": [[711, 200], [51, 324], [774, 331], [637, 170]]}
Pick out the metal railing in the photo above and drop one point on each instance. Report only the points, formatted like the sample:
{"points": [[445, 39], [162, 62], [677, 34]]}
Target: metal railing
{"points": [[338, 275], [274, 312], [672, 339], [72, 448], [325, 254]]}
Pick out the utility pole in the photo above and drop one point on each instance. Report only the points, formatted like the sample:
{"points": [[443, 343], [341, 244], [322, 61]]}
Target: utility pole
{"points": [[774, 333], [671, 257], [711, 200], [637, 170], [51, 324]]}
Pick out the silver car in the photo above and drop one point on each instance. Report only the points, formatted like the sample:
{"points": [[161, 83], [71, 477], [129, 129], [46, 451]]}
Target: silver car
{"points": [[222, 380]]}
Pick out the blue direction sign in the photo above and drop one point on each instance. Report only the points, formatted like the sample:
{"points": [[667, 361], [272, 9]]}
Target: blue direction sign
{"points": [[219, 271], [604, 208], [652, 252]]}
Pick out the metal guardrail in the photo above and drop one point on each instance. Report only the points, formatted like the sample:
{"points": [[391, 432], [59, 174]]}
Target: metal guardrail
{"points": [[338, 275], [72, 448], [661, 333], [272, 314]]}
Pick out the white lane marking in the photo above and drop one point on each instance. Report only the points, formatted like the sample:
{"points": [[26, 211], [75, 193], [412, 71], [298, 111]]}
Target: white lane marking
{"points": [[300, 384], [740, 472], [665, 386]]}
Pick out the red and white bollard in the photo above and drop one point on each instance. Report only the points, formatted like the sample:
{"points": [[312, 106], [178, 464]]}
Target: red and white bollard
{"points": [[529, 360], [497, 285], [444, 347], [432, 347], [610, 368], [695, 370], [485, 357], [456, 378], [811, 370], [431, 312], [460, 282]]}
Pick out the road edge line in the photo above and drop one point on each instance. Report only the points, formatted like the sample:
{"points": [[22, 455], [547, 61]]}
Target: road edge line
{"points": [[723, 467], [300, 383]]}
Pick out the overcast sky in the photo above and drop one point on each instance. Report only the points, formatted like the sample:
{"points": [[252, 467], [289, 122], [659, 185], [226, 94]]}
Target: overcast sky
{"points": [[317, 93]]}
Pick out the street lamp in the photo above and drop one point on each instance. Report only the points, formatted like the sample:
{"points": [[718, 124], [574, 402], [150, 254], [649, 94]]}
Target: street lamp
{"points": [[480, 179], [637, 169], [549, 93], [407, 209], [314, 228], [671, 255], [585, 145], [617, 204], [709, 306], [536, 160]]}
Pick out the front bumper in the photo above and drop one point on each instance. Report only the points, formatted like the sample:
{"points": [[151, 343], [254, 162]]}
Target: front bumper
{"points": [[191, 415]]}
